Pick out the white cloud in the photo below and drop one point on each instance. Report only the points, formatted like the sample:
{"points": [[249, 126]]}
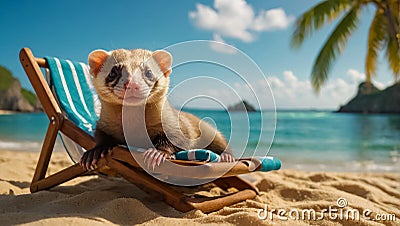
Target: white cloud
{"points": [[221, 46], [357, 77], [237, 19], [291, 92], [288, 89], [274, 19]]}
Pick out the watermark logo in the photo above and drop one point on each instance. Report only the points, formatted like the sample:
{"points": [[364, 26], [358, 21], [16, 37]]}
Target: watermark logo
{"points": [[338, 212], [341, 202]]}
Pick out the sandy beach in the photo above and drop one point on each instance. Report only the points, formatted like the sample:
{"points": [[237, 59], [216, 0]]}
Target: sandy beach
{"points": [[94, 200], [7, 112]]}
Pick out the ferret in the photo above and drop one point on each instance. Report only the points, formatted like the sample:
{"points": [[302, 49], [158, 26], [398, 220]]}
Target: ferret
{"points": [[135, 83]]}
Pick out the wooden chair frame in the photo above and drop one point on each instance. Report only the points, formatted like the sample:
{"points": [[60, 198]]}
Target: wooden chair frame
{"points": [[120, 159]]}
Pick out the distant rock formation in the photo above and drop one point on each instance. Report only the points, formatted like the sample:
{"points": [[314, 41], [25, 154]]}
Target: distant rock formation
{"points": [[242, 106], [385, 101], [13, 97]]}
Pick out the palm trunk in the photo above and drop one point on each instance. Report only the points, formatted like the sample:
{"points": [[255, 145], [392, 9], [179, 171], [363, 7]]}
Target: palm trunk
{"points": [[368, 84]]}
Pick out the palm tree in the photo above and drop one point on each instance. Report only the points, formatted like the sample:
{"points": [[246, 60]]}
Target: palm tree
{"points": [[384, 34]]}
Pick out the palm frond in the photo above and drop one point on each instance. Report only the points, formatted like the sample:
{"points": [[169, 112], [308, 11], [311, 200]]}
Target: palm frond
{"points": [[376, 37], [333, 46], [316, 18], [391, 12]]}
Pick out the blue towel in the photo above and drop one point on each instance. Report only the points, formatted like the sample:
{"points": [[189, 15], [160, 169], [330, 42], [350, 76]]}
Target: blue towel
{"points": [[268, 163], [198, 155]]}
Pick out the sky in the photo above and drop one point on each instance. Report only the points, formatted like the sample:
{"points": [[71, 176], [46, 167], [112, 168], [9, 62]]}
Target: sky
{"points": [[257, 29]]}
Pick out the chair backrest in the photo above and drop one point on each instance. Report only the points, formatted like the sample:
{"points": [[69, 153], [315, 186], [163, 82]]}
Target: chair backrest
{"points": [[73, 87]]}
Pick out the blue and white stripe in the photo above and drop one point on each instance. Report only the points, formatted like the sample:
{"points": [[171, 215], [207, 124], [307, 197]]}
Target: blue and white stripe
{"points": [[198, 155], [89, 82], [78, 87], [75, 92]]}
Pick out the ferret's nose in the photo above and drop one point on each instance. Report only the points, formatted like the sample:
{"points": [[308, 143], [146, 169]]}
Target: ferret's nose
{"points": [[132, 85]]}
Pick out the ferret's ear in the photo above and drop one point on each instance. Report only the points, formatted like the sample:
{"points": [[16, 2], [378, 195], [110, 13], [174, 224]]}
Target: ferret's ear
{"points": [[164, 60], [96, 60]]}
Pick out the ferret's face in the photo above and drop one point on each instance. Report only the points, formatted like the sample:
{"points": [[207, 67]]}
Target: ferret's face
{"points": [[130, 77]]}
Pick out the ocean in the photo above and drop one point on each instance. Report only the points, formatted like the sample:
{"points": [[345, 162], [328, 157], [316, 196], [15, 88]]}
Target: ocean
{"points": [[303, 140]]}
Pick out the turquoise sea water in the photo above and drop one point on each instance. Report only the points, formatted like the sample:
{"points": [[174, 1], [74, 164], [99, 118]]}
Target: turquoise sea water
{"points": [[306, 140]]}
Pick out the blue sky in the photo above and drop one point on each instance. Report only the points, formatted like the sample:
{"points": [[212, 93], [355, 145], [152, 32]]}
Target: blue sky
{"points": [[72, 29]]}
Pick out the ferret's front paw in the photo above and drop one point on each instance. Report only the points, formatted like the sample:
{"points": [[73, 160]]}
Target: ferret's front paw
{"points": [[89, 158], [227, 157], [153, 157]]}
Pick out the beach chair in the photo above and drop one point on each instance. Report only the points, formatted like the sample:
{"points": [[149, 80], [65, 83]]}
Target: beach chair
{"points": [[69, 100]]}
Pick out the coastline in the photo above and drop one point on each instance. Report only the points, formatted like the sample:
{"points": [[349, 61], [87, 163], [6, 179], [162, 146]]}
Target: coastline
{"points": [[7, 112], [105, 200]]}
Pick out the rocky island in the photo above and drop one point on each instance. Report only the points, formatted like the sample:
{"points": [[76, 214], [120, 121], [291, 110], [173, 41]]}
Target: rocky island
{"points": [[242, 106], [13, 97], [375, 101]]}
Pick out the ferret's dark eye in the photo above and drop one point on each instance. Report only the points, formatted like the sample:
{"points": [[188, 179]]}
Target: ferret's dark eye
{"points": [[114, 74], [149, 74]]}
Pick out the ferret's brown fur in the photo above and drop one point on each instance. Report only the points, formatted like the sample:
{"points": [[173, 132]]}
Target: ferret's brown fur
{"points": [[169, 130]]}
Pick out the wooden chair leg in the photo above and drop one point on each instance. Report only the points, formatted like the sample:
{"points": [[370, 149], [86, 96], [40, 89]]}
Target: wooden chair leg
{"points": [[58, 178], [148, 183], [178, 200], [236, 182], [40, 181], [45, 153], [208, 205]]}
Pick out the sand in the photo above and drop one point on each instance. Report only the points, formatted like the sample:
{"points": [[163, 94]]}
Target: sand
{"points": [[7, 112], [94, 200]]}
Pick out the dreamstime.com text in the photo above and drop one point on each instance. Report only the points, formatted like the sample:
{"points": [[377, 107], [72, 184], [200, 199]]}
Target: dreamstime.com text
{"points": [[338, 212]]}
